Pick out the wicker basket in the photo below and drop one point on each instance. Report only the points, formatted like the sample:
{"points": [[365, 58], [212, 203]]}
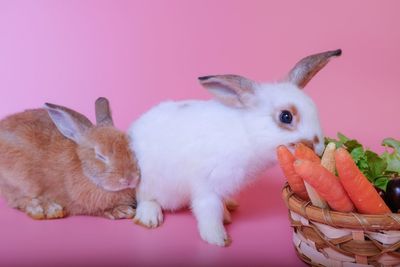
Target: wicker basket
{"points": [[327, 238]]}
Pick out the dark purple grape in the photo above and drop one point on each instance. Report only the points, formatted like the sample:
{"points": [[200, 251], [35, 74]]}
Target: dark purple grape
{"points": [[393, 194]]}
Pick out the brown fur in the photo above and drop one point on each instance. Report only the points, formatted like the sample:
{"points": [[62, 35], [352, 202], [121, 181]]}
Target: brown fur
{"points": [[230, 205], [38, 162], [103, 112]]}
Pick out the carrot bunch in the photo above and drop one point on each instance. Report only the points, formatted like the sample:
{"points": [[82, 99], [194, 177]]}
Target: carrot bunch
{"points": [[315, 179]]}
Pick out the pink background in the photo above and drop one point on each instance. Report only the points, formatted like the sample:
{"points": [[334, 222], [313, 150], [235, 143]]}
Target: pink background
{"points": [[138, 53]]}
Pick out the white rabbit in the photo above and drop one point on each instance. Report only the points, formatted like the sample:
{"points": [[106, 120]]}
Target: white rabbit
{"points": [[198, 153]]}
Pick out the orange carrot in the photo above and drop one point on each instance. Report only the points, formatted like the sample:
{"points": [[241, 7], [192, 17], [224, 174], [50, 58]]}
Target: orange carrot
{"points": [[303, 152], [325, 183], [360, 190], [286, 160]]}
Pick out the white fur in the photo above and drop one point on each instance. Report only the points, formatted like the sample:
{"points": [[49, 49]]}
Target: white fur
{"points": [[149, 213], [197, 153]]}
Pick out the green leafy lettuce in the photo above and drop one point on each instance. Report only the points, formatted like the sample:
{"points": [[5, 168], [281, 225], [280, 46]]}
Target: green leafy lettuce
{"points": [[377, 168]]}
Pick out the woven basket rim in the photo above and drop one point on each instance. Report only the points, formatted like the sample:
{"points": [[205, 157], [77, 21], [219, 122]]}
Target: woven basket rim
{"points": [[390, 221]]}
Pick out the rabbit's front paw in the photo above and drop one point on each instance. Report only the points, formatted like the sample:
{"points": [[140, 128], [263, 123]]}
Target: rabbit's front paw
{"points": [[148, 214], [35, 210], [54, 211], [214, 234], [120, 212], [42, 209]]}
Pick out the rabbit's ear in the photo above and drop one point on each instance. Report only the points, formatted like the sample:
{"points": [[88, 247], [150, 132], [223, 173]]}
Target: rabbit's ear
{"points": [[231, 90], [70, 123], [103, 112], [306, 68]]}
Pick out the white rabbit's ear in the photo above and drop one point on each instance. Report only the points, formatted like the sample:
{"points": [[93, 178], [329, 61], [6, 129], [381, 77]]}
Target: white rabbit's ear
{"points": [[231, 90], [70, 123], [103, 112], [306, 68]]}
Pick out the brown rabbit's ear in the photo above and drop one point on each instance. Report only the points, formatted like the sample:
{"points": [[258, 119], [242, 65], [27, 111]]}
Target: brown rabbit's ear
{"points": [[103, 112], [306, 68], [231, 90], [70, 123]]}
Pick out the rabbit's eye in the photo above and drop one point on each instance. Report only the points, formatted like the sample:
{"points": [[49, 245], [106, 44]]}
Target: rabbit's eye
{"points": [[286, 117], [101, 157]]}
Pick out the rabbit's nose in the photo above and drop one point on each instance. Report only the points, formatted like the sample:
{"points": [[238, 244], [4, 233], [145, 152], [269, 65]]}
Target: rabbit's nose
{"points": [[124, 182], [134, 181], [131, 181]]}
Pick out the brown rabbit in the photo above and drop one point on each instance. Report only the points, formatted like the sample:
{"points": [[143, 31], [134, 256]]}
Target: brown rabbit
{"points": [[54, 162]]}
